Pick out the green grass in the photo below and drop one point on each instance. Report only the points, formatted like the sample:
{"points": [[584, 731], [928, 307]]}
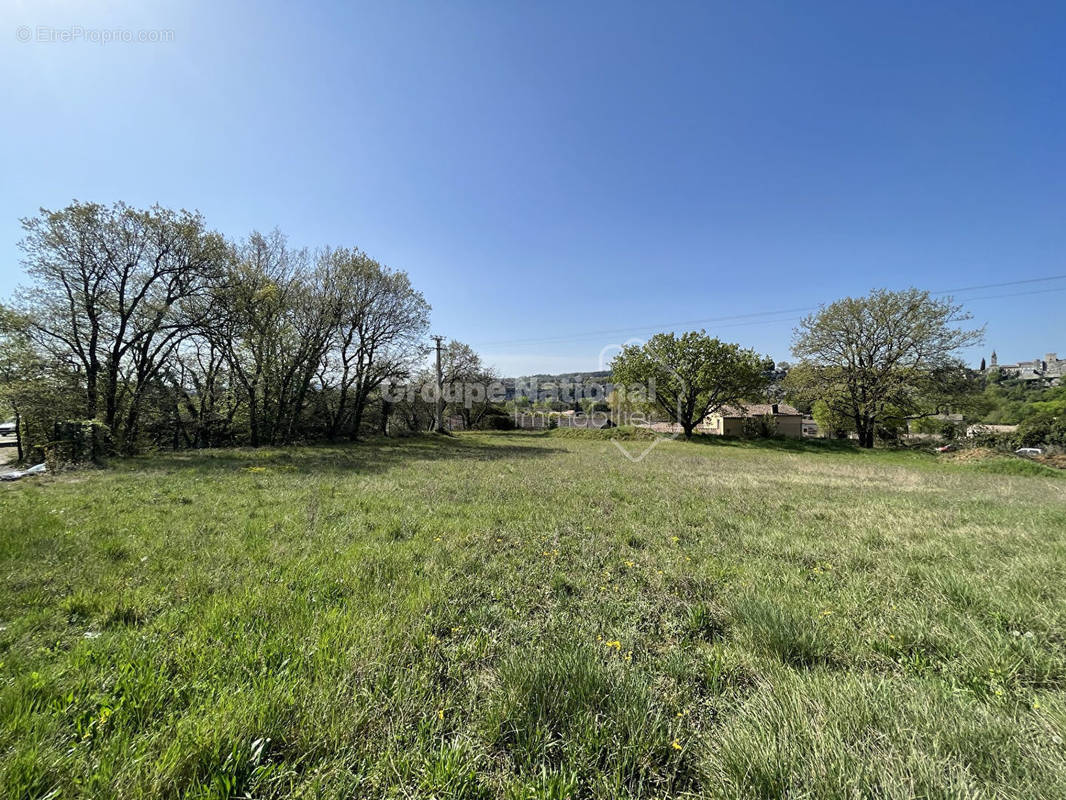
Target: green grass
{"points": [[533, 616], [1007, 465]]}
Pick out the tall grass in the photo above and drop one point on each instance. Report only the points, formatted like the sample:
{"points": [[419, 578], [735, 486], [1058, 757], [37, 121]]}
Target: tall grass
{"points": [[533, 616]]}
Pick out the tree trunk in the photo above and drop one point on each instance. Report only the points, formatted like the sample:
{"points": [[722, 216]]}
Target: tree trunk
{"points": [[866, 434], [111, 400], [18, 435], [253, 418], [342, 407], [386, 410], [357, 419], [92, 392]]}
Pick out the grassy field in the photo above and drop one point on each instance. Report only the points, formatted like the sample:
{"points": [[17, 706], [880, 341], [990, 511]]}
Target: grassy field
{"points": [[534, 616]]}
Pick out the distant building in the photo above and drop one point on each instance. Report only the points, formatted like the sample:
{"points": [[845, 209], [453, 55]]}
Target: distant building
{"points": [[1050, 369], [985, 428]]}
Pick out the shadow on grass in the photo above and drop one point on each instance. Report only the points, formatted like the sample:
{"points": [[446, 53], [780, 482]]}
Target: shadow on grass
{"points": [[371, 455], [780, 443]]}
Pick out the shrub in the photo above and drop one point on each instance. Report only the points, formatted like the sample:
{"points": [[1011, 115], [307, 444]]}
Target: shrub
{"points": [[764, 427], [497, 420], [1042, 429], [994, 441]]}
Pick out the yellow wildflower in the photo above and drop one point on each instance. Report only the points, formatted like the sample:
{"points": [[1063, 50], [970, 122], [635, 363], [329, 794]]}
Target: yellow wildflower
{"points": [[676, 744]]}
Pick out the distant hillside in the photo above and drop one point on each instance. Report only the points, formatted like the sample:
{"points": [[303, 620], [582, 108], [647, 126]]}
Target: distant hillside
{"points": [[547, 384], [598, 376]]}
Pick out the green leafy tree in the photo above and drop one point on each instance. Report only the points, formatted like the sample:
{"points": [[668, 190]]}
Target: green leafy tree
{"points": [[690, 376], [378, 337], [36, 389], [273, 318], [884, 358], [467, 380], [831, 424]]}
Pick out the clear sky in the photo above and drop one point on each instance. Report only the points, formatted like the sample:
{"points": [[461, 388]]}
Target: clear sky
{"points": [[557, 177]]}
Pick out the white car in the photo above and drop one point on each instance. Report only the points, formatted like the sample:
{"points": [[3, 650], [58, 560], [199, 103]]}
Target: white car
{"points": [[1029, 451], [7, 428]]}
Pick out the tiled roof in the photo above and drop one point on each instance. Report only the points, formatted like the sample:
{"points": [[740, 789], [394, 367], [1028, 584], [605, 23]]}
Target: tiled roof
{"points": [[758, 410]]}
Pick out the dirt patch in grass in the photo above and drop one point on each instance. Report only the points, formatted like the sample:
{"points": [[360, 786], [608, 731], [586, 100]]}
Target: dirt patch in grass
{"points": [[973, 454], [1057, 461]]}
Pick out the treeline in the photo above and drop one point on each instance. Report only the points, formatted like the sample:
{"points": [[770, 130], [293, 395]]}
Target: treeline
{"points": [[1007, 399], [167, 334], [143, 328]]}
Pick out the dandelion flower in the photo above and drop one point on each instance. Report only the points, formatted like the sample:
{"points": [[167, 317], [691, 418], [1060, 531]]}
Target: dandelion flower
{"points": [[676, 744]]}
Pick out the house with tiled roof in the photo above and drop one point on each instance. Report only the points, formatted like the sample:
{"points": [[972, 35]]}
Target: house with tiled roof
{"points": [[736, 420]]}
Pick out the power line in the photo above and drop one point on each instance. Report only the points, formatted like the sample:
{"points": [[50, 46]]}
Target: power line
{"points": [[618, 331], [730, 320], [1016, 294], [1005, 283]]}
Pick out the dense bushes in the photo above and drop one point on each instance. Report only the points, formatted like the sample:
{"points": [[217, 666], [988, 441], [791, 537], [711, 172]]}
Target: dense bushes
{"points": [[1042, 429], [79, 441]]}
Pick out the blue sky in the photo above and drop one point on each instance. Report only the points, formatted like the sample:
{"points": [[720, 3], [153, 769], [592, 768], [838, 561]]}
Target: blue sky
{"points": [[557, 179]]}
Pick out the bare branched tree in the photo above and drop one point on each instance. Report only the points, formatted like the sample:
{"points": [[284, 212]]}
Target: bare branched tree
{"points": [[111, 291], [379, 335]]}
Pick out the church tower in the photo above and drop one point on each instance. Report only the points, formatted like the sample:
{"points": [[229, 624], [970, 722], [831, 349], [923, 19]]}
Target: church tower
{"points": [[993, 362]]}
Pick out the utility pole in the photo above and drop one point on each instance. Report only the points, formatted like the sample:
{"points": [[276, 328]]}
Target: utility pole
{"points": [[438, 424]]}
